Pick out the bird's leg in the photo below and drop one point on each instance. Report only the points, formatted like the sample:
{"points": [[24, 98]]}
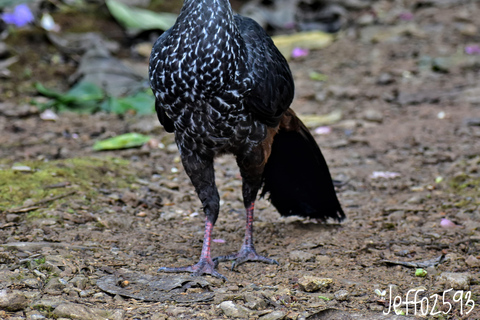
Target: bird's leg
{"points": [[203, 179], [205, 265], [252, 175]]}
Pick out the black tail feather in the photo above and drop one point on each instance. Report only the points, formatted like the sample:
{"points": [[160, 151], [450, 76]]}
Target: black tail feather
{"points": [[297, 177]]}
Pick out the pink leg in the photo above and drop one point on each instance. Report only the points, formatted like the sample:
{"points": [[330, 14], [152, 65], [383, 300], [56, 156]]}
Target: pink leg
{"points": [[247, 251], [206, 264]]}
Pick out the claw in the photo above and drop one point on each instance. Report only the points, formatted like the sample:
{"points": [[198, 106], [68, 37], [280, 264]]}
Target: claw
{"points": [[246, 254], [201, 268]]}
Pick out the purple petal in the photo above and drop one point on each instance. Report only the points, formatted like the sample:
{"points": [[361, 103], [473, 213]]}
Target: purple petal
{"points": [[9, 18], [299, 52], [406, 16], [218, 240], [447, 224], [323, 130], [474, 49], [20, 16]]}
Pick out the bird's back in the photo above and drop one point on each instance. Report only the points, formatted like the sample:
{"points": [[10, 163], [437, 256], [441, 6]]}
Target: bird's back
{"points": [[218, 79]]}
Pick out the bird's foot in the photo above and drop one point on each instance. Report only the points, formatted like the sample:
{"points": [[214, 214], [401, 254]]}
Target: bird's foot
{"points": [[204, 266], [246, 254]]}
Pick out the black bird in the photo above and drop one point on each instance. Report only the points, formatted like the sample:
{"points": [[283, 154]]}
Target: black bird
{"points": [[221, 86]]}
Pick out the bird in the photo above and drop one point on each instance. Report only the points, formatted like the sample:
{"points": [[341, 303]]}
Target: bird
{"points": [[221, 86]]}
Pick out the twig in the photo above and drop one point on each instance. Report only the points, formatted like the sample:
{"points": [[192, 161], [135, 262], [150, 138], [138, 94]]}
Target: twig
{"points": [[418, 264], [40, 203]]}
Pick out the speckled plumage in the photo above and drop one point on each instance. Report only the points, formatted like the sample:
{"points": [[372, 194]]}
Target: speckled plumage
{"points": [[211, 74], [222, 86]]}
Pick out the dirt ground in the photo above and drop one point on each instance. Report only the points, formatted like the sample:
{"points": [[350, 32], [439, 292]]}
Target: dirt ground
{"points": [[410, 101]]}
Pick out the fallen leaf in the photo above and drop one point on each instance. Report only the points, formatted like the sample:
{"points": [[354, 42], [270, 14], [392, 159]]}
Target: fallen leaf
{"points": [[127, 140]]}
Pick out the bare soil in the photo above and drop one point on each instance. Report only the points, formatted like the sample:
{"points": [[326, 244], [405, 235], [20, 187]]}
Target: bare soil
{"points": [[400, 113]]}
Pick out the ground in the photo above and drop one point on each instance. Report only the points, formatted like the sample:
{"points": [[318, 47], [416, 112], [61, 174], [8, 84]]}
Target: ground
{"points": [[84, 232]]}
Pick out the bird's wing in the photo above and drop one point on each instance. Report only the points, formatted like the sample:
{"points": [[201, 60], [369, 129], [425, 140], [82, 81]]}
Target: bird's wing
{"points": [[272, 87], [156, 63]]}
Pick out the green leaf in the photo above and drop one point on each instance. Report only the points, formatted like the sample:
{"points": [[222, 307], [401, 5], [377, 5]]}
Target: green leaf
{"points": [[136, 19], [127, 140], [83, 97], [324, 298], [47, 92], [142, 103], [317, 76], [83, 91]]}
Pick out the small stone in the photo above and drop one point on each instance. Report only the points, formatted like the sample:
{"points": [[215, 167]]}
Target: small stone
{"points": [[275, 315], [385, 79], [323, 260], [159, 316], [366, 19], [467, 29], [456, 280], [99, 295], [32, 294], [342, 295], [47, 303], [373, 115], [11, 217], [54, 287], [86, 293], [39, 274], [119, 314], [12, 300], [311, 283], [34, 315], [472, 262], [75, 311], [233, 310], [20, 168], [79, 282], [32, 283], [301, 256], [177, 311], [255, 302]]}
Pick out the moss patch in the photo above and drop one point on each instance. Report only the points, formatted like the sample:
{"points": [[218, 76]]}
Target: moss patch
{"points": [[84, 176]]}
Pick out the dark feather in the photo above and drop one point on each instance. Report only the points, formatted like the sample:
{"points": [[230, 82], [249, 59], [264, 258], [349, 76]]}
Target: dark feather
{"points": [[297, 177]]}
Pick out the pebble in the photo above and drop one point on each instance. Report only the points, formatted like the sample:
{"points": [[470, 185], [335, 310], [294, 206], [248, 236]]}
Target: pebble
{"points": [[311, 283], [373, 115], [54, 287], [12, 300], [233, 310], [385, 79], [47, 303], [20, 168], [472, 262], [32, 283], [35, 315], [342, 295], [75, 311], [118, 314], [323, 260], [456, 280], [301, 256], [79, 282], [177, 311], [275, 315], [39, 274], [255, 302], [86, 293]]}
